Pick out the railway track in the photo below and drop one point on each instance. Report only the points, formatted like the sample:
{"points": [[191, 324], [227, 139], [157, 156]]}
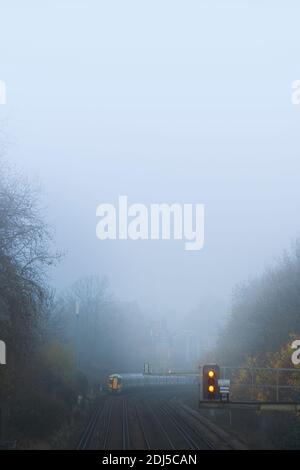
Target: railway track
{"points": [[190, 442], [88, 433], [107, 424], [228, 441], [147, 422], [142, 427], [187, 430], [125, 426], [162, 427]]}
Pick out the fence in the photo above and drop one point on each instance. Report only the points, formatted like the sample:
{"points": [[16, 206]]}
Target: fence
{"points": [[278, 385]]}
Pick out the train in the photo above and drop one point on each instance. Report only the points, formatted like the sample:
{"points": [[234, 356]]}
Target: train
{"points": [[119, 382]]}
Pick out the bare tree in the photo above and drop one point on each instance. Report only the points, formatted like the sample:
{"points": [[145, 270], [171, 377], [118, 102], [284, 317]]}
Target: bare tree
{"points": [[24, 258]]}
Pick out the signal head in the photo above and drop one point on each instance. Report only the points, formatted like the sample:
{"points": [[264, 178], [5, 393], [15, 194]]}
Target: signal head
{"points": [[210, 376]]}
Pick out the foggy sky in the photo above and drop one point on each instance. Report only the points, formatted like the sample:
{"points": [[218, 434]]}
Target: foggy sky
{"points": [[162, 101]]}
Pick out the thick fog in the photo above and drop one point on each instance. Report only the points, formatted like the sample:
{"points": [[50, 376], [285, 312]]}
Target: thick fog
{"points": [[165, 102]]}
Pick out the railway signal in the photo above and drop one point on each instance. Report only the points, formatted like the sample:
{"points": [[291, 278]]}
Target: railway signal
{"points": [[210, 377]]}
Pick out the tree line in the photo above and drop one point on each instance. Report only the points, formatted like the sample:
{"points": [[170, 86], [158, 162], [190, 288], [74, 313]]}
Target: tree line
{"points": [[258, 335], [60, 346], [265, 314]]}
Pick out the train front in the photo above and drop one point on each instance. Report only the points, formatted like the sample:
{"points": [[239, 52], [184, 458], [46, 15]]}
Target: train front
{"points": [[114, 383]]}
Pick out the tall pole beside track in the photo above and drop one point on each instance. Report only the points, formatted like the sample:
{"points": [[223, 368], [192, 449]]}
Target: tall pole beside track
{"points": [[77, 308]]}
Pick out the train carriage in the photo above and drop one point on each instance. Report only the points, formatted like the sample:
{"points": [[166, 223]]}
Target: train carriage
{"points": [[118, 382]]}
